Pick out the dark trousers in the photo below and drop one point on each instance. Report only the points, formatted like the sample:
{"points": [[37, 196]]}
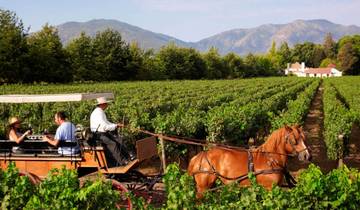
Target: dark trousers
{"points": [[115, 152]]}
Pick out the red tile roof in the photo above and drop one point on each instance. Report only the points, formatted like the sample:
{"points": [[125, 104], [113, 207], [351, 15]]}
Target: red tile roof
{"points": [[318, 71], [296, 65]]}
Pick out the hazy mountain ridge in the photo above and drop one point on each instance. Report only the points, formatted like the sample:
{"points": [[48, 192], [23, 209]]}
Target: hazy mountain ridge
{"points": [[129, 33], [241, 41]]}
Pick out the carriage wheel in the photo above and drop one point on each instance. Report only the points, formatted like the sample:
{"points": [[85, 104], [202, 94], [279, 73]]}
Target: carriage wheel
{"points": [[152, 194], [125, 201], [34, 179], [139, 181]]}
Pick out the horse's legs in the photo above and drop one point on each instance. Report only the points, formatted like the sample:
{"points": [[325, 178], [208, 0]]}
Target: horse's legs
{"points": [[203, 182], [268, 180]]}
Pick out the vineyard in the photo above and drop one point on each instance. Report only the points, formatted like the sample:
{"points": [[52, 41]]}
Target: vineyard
{"points": [[221, 111], [229, 111], [342, 111], [338, 189]]}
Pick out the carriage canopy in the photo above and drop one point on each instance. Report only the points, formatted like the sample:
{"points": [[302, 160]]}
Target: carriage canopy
{"points": [[53, 97]]}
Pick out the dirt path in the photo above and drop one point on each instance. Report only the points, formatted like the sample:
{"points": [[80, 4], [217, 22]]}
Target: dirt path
{"points": [[313, 128]]}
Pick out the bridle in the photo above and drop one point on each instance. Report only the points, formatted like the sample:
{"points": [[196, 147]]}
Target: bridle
{"points": [[294, 151]]}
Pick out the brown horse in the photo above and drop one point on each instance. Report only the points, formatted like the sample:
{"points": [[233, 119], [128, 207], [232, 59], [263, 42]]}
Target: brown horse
{"points": [[267, 162]]}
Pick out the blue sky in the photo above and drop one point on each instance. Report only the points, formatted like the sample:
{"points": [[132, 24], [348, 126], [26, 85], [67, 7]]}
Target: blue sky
{"points": [[188, 20]]}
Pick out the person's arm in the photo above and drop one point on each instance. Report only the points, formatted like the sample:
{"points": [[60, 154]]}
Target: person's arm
{"points": [[105, 124], [51, 140], [18, 139]]}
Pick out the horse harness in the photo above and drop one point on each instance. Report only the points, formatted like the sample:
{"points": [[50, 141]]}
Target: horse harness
{"points": [[289, 179], [295, 152]]}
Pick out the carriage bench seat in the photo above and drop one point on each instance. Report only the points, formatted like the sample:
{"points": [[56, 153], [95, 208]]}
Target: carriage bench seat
{"points": [[7, 145], [4, 153], [49, 155], [23, 154], [72, 155], [34, 146], [87, 147], [31, 146]]}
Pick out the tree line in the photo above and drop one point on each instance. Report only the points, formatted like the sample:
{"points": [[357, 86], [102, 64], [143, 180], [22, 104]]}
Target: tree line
{"points": [[41, 57]]}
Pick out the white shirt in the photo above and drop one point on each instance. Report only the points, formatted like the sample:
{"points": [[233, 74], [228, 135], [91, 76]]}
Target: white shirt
{"points": [[99, 122]]}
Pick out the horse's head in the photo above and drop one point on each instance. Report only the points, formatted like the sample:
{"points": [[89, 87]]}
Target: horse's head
{"points": [[295, 142]]}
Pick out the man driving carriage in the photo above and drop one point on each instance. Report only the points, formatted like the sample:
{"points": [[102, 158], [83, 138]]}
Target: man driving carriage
{"points": [[115, 151]]}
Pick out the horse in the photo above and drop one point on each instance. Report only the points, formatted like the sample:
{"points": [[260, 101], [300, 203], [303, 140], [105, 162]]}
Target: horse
{"points": [[267, 162]]}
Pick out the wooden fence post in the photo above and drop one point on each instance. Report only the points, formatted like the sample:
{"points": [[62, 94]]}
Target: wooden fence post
{"points": [[341, 161], [163, 156]]}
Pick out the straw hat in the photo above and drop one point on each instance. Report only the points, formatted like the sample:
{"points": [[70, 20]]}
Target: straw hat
{"points": [[14, 120], [102, 100]]}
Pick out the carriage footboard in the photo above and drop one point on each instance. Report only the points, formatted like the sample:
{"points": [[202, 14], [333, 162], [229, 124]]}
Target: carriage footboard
{"points": [[146, 148]]}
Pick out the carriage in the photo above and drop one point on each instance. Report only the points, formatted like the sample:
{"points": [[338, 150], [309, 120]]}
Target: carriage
{"points": [[41, 157], [267, 162]]}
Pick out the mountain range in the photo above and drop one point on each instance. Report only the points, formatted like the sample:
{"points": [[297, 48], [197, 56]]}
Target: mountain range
{"points": [[240, 41]]}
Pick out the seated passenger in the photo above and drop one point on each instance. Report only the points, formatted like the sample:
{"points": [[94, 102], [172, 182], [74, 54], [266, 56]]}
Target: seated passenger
{"points": [[14, 134], [65, 132]]}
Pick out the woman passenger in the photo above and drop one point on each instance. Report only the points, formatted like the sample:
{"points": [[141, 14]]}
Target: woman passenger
{"points": [[15, 135]]}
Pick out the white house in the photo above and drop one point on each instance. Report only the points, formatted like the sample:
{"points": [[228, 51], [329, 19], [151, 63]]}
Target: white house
{"points": [[302, 71], [295, 69]]}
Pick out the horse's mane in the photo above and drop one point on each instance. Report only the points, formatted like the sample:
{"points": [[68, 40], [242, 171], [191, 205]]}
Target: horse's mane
{"points": [[276, 137], [273, 140], [271, 143]]}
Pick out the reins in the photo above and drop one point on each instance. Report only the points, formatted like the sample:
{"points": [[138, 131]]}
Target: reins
{"points": [[280, 170], [204, 143]]}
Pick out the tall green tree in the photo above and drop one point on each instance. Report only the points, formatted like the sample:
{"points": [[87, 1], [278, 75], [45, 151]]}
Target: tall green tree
{"points": [[272, 50], [318, 55], [327, 61], [284, 53], [13, 48], [215, 66], [354, 39], [259, 65], [181, 63], [250, 61], [274, 57], [151, 68], [347, 58], [329, 46], [82, 58], [309, 53], [355, 52], [112, 56], [146, 63], [48, 60], [235, 65], [137, 58]]}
